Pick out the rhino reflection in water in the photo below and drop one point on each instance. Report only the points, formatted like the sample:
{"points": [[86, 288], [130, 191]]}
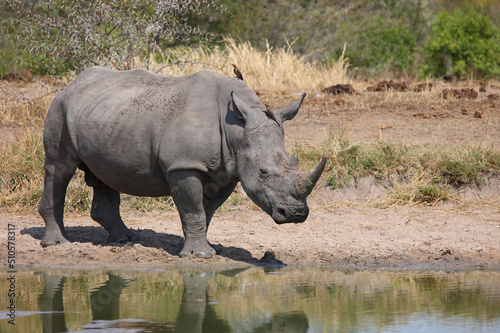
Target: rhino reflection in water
{"points": [[197, 314], [51, 305], [105, 301], [191, 137]]}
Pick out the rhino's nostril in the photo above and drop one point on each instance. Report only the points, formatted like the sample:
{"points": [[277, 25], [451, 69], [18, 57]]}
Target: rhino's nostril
{"points": [[279, 215]]}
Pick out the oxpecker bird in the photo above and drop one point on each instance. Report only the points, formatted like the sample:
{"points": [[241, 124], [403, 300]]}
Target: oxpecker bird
{"points": [[237, 72], [270, 113]]}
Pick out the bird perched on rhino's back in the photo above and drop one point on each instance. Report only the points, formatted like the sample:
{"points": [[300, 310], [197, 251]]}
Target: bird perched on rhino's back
{"points": [[237, 72]]}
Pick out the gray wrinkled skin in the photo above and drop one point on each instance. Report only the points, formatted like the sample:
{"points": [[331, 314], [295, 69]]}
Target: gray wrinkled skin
{"points": [[191, 137]]}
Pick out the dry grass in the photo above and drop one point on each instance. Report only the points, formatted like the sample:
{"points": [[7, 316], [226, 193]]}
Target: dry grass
{"points": [[25, 103], [273, 70], [21, 171]]}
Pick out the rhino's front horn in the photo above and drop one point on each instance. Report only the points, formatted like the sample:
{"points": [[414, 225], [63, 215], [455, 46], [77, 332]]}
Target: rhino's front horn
{"points": [[305, 181]]}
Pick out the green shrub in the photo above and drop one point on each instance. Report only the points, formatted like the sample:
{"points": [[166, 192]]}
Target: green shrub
{"points": [[381, 47], [463, 42]]}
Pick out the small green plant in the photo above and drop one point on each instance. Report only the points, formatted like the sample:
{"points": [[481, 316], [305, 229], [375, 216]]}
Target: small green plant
{"points": [[435, 168], [333, 182], [462, 165], [423, 191], [347, 161], [236, 199], [460, 172], [430, 193]]}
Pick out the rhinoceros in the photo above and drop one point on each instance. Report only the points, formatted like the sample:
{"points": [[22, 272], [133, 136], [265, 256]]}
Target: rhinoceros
{"points": [[192, 137]]}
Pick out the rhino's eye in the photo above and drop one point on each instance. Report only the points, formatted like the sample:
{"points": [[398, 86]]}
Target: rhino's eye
{"points": [[264, 173]]}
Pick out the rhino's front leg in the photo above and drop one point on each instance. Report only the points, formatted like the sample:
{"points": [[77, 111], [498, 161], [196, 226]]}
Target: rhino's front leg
{"points": [[187, 191]]}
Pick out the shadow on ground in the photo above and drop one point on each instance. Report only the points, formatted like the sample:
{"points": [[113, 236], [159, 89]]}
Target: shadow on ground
{"points": [[172, 244]]}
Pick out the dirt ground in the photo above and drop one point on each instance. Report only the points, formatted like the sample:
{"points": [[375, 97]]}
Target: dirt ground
{"points": [[354, 237], [345, 228]]}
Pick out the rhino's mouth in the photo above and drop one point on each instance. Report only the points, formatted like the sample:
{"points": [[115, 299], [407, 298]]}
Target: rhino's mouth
{"points": [[283, 215]]}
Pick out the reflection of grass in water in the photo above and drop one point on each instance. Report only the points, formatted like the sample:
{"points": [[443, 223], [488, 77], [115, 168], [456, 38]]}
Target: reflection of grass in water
{"points": [[147, 295], [334, 300], [338, 299]]}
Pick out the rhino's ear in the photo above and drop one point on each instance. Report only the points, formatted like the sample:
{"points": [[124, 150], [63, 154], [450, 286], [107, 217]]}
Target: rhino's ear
{"points": [[247, 113], [290, 111]]}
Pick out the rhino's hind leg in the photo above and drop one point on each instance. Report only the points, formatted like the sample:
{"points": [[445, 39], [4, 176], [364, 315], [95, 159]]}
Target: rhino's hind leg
{"points": [[51, 206], [187, 192], [106, 211]]}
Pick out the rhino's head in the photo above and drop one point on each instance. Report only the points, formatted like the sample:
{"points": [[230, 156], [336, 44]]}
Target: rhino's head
{"points": [[268, 175]]}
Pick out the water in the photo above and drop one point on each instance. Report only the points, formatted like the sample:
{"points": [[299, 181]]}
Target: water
{"points": [[253, 299]]}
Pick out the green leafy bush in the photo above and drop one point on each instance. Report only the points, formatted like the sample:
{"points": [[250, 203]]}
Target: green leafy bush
{"points": [[382, 47], [463, 42]]}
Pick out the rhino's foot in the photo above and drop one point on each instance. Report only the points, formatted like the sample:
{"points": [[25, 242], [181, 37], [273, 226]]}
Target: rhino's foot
{"points": [[54, 239], [124, 237], [200, 249]]}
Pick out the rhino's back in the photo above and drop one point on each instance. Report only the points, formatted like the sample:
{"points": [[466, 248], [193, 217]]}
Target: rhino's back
{"points": [[120, 121]]}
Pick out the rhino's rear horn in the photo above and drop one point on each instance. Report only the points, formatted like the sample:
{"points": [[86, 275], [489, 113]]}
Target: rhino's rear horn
{"points": [[305, 181]]}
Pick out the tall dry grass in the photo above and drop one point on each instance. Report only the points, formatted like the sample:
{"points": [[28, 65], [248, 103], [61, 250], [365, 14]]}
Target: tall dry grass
{"points": [[273, 70]]}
